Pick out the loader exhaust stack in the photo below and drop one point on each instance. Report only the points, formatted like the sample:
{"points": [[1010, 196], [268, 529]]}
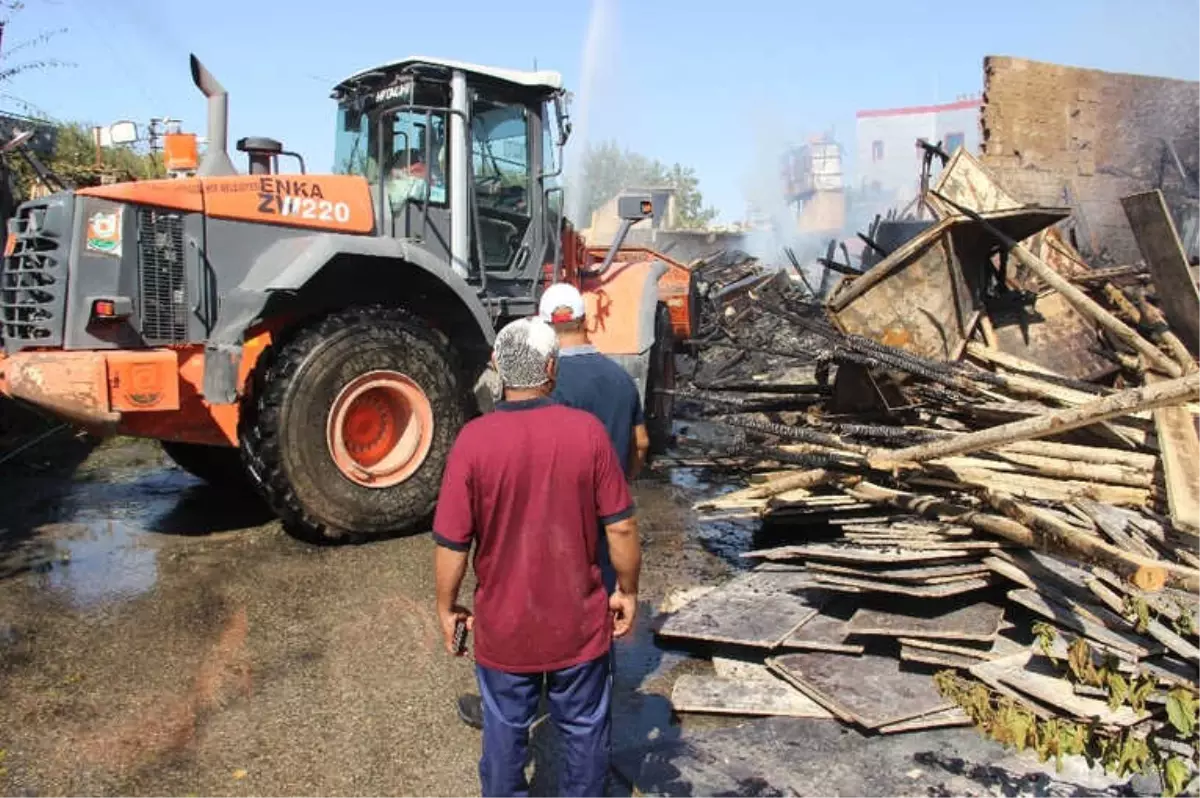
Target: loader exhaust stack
{"points": [[216, 158]]}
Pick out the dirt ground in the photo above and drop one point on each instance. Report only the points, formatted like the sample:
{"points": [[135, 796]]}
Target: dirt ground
{"points": [[160, 637]]}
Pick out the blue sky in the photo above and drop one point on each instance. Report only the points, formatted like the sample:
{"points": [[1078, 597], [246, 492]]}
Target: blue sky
{"points": [[713, 85]]}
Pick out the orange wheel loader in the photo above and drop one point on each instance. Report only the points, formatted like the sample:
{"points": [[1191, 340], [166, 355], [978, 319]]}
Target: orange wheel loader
{"points": [[327, 335]]}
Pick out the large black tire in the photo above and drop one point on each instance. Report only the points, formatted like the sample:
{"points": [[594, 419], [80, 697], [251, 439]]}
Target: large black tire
{"points": [[660, 407], [220, 466], [283, 433]]}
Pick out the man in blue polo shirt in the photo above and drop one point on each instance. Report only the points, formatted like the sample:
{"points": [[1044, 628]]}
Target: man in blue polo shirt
{"points": [[588, 380]]}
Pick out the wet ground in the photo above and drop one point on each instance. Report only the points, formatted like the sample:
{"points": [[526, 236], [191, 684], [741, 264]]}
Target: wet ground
{"points": [[160, 637]]}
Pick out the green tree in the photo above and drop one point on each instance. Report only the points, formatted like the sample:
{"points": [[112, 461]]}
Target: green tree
{"points": [[607, 169], [74, 161]]}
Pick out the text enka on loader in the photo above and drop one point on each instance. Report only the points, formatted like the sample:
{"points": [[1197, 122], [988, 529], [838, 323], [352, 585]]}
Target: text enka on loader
{"points": [[328, 335]]}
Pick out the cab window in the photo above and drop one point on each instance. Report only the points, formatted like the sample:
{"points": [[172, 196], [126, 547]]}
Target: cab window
{"points": [[502, 177]]}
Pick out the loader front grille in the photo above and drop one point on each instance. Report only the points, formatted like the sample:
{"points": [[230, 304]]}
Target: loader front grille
{"points": [[161, 278], [33, 279]]}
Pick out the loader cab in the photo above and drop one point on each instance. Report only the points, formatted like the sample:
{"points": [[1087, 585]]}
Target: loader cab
{"points": [[462, 159]]}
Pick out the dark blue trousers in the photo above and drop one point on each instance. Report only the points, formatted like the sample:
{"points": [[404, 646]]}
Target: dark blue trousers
{"points": [[579, 697]]}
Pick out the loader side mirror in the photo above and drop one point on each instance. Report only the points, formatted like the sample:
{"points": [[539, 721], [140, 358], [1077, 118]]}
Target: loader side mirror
{"points": [[634, 208]]}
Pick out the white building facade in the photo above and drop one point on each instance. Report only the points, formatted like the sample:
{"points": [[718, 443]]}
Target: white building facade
{"points": [[888, 160]]}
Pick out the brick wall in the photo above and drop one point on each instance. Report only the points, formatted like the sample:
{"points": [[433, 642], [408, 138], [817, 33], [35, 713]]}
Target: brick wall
{"points": [[1059, 135]]}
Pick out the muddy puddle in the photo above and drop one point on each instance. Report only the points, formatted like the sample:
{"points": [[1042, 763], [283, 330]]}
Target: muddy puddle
{"points": [[160, 637]]}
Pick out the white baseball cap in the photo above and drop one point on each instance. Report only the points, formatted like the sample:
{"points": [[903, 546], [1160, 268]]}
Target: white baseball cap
{"points": [[561, 295]]}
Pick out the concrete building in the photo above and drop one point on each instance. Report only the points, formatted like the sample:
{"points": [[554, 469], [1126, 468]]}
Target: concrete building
{"points": [[661, 231], [814, 186], [888, 161]]}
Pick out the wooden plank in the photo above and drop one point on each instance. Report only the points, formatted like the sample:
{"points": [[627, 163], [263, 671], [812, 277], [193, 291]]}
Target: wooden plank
{"points": [[934, 720], [1132, 645], [940, 659], [754, 609], [977, 621], [975, 654], [1034, 676], [870, 690], [989, 673], [832, 552], [942, 590], [1114, 523], [715, 695], [1180, 451], [1154, 627], [1158, 241], [904, 574], [826, 631]]}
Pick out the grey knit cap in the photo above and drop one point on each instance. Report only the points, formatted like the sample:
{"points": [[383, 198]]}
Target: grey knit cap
{"points": [[522, 350]]}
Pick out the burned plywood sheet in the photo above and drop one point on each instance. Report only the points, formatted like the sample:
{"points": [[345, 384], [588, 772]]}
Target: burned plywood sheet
{"points": [[1050, 334], [927, 296], [826, 631], [915, 299], [930, 575], [757, 609], [725, 696], [940, 659], [968, 182], [936, 590], [870, 690], [833, 552], [1173, 276], [975, 621]]}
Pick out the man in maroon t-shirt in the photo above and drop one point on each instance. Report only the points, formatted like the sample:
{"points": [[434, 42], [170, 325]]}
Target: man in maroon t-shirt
{"points": [[528, 484]]}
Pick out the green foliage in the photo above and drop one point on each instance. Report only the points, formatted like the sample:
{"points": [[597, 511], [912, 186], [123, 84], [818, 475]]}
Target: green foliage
{"points": [[608, 169], [1181, 711], [1121, 751], [1176, 775], [74, 160], [1045, 635]]}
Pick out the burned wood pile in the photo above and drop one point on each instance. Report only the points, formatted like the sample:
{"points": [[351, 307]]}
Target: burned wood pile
{"points": [[952, 490]]}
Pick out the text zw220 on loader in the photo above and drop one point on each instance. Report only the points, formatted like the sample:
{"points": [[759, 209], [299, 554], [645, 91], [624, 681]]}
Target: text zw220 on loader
{"points": [[327, 335]]}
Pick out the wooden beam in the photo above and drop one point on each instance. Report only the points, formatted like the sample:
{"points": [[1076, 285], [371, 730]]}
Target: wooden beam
{"points": [[1165, 394]]}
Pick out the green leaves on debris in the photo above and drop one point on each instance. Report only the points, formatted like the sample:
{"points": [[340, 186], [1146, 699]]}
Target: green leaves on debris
{"points": [[1168, 745]]}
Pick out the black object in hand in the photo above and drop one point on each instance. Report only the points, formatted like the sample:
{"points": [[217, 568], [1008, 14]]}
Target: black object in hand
{"points": [[460, 636]]}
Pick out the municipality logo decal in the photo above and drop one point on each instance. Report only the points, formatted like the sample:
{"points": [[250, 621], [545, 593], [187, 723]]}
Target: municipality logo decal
{"points": [[104, 232]]}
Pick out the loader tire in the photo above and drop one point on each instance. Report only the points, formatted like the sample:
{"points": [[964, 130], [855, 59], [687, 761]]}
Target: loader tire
{"points": [[329, 399], [220, 466], [660, 407]]}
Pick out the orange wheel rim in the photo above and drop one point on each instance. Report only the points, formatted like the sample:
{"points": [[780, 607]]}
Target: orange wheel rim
{"points": [[380, 429]]}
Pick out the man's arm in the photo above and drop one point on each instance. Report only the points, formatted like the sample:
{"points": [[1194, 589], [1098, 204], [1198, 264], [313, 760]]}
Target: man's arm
{"points": [[453, 530], [641, 438], [450, 567], [639, 450], [625, 551], [614, 506]]}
